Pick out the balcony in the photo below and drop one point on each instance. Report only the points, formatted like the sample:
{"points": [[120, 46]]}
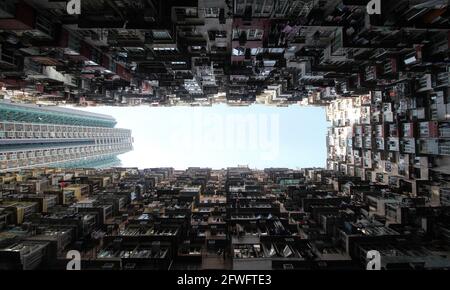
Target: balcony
{"points": [[443, 79], [429, 146], [444, 130], [428, 129], [393, 144], [390, 67], [8, 58], [444, 147], [425, 83], [408, 145]]}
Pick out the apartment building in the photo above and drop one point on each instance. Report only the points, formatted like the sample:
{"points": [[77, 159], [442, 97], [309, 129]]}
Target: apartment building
{"points": [[37, 136], [200, 218]]}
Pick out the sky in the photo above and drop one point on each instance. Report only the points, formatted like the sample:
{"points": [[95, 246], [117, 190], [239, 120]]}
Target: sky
{"points": [[222, 136]]}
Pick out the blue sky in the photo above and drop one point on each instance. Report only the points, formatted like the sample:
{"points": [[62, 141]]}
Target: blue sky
{"points": [[221, 136]]}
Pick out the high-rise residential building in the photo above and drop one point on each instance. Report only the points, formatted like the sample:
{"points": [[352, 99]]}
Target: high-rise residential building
{"points": [[32, 136], [392, 137]]}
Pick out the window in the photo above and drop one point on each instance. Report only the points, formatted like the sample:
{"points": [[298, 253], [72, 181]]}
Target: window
{"points": [[260, 7], [164, 48], [269, 63], [186, 11], [238, 51], [240, 6], [276, 50], [256, 51], [254, 34], [161, 34], [336, 43], [236, 33], [221, 34], [211, 12], [191, 11], [268, 7], [251, 33], [257, 8], [281, 6]]}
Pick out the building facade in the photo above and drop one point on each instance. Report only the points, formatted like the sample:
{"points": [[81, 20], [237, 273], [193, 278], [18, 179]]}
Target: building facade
{"points": [[33, 136]]}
